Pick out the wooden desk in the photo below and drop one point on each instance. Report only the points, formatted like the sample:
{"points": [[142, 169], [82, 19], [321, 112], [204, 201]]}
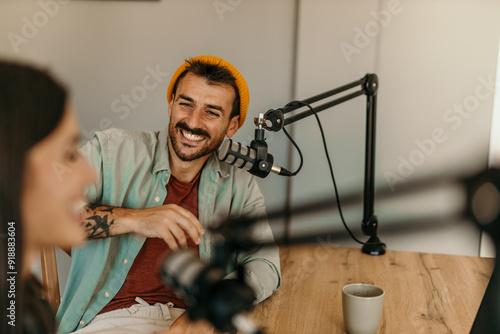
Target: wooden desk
{"points": [[425, 293]]}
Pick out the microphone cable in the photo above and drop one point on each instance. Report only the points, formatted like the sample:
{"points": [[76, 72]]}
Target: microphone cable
{"points": [[329, 165], [298, 150]]}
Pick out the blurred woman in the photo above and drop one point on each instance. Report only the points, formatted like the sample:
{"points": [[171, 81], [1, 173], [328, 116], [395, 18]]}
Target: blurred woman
{"points": [[42, 181]]}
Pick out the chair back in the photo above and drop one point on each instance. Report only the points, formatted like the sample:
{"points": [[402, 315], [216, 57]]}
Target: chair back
{"points": [[50, 277]]}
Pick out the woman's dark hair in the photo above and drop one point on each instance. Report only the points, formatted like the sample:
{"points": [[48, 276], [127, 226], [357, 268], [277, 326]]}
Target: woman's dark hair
{"points": [[32, 104]]}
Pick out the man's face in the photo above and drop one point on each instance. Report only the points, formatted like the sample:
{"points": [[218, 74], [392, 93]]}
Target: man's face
{"points": [[199, 117]]}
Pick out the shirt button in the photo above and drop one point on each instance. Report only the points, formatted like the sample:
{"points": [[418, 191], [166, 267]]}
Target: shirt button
{"points": [[106, 294], [82, 322], [157, 199], [125, 261]]}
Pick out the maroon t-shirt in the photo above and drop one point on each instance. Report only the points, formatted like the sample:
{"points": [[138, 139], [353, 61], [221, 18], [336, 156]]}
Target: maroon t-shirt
{"points": [[143, 279]]}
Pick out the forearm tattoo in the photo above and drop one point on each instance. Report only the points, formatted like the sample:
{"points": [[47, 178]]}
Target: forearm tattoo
{"points": [[97, 225]]}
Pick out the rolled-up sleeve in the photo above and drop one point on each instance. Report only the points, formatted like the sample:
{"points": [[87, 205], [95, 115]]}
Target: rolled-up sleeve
{"points": [[92, 153]]}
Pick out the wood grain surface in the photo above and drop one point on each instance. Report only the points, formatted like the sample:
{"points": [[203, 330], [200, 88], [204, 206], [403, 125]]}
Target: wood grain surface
{"points": [[424, 293]]}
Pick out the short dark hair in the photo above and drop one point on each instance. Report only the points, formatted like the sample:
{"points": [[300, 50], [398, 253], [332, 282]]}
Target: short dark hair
{"points": [[214, 74]]}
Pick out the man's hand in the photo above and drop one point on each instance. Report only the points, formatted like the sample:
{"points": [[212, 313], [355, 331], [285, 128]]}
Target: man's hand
{"points": [[169, 222], [183, 325]]}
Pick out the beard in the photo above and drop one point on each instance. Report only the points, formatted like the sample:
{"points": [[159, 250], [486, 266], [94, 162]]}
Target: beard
{"points": [[210, 145]]}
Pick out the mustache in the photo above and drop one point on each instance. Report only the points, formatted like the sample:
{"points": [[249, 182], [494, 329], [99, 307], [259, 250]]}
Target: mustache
{"points": [[199, 132]]}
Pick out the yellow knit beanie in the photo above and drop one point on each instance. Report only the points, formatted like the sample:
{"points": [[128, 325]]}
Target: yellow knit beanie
{"points": [[240, 81]]}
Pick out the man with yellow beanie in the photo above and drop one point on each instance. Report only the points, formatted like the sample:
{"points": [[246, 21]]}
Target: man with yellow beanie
{"points": [[157, 192]]}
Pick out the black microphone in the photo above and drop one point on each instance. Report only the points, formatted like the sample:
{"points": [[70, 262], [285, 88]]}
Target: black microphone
{"points": [[207, 295], [253, 159]]}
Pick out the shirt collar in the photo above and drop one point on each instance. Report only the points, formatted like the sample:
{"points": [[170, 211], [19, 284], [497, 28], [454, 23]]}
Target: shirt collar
{"points": [[213, 163], [161, 161]]}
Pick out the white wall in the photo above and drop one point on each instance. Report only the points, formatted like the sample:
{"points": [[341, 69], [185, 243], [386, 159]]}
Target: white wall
{"points": [[428, 57], [455, 50], [487, 244]]}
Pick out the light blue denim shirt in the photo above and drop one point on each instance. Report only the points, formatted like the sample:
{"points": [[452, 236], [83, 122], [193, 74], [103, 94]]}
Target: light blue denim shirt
{"points": [[132, 171]]}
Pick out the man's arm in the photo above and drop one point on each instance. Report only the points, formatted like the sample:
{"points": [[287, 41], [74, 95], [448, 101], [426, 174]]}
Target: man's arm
{"points": [[262, 267], [169, 222], [99, 221]]}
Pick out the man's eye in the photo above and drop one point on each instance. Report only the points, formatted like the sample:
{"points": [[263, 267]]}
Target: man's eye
{"points": [[212, 113], [185, 104]]}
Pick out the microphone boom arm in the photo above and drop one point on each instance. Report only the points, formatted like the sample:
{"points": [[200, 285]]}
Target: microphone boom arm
{"points": [[274, 120]]}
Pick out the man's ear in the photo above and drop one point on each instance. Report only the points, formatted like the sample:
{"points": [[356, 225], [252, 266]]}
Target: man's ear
{"points": [[170, 106], [233, 126]]}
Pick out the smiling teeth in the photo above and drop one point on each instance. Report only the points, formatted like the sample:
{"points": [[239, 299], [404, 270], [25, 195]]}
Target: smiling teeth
{"points": [[192, 137]]}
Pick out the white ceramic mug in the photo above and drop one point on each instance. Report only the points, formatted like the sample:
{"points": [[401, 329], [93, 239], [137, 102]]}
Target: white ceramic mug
{"points": [[362, 308]]}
